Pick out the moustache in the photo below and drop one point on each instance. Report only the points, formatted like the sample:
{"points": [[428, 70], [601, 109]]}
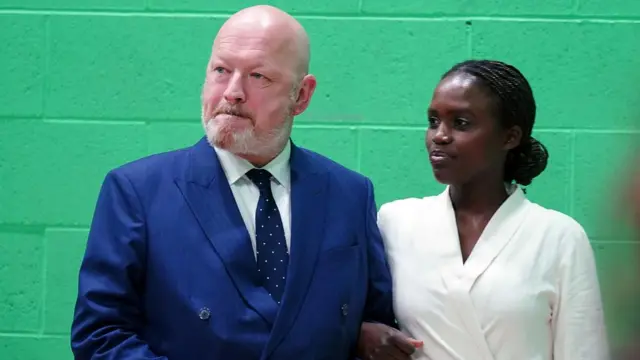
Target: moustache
{"points": [[230, 110]]}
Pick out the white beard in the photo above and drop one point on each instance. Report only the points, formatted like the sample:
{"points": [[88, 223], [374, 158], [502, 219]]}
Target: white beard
{"points": [[246, 142]]}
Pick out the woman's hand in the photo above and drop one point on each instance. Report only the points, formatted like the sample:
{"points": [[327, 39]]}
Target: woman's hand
{"points": [[382, 342]]}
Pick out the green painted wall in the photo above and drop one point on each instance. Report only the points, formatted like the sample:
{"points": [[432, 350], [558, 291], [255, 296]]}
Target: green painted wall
{"points": [[89, 84]]}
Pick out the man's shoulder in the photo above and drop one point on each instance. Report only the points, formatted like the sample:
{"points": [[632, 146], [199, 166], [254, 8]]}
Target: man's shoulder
{"points": [[334, 168], [152, 165]]}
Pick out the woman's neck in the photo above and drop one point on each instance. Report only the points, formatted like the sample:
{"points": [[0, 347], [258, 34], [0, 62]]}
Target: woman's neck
{"points": [[478, 196]]}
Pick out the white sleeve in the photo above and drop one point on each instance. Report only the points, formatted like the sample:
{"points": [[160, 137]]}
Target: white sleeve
{"points": [[578, 319]]}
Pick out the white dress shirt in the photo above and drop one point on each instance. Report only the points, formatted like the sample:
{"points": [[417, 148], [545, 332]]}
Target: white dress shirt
{"points": [[528, 291], [247, 194]]}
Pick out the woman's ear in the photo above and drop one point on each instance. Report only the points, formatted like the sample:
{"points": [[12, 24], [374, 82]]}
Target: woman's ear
{"points": [[513, 138]]}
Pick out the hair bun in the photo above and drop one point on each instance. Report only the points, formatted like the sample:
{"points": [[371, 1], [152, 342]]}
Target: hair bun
{"points": [[527, 161]]}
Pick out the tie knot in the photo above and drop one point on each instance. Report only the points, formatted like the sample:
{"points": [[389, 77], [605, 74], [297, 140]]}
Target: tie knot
{"points": [[260, 177]]}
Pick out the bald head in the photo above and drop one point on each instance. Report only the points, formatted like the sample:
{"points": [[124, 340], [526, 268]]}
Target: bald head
{"points": [[279, 31], [256, 82]]}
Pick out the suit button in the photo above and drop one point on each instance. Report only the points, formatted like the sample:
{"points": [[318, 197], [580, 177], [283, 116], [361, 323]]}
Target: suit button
{"points": [[204, 314], [345, 310]]}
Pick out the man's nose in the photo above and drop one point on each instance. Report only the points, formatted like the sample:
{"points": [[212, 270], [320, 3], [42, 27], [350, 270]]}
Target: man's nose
{"points": [[235, 94]]}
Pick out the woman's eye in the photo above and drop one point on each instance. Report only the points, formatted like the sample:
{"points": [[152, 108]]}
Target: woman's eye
{"points": [[462, 122]]}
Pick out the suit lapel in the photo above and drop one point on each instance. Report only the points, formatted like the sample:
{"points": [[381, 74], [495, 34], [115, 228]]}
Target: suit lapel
{"points": [[496, 235], [456, 285], [308, 211], [449, 247], [459, 279], [207, 193]]}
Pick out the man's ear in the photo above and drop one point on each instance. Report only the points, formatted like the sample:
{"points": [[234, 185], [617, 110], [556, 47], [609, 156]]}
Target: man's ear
{"points": [[305, 92]]}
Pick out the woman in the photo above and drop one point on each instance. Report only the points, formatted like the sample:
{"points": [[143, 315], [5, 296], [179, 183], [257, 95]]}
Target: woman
{"points": [[480, 272]]}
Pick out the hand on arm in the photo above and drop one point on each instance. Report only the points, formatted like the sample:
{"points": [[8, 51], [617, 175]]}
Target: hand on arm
{"points": [[382, 342], [379, 306], [379, 339]]}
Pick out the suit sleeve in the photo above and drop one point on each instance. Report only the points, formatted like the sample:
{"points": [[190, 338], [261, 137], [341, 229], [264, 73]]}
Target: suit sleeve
{"points": [[379, 306], [107, 318], [578, 319]]}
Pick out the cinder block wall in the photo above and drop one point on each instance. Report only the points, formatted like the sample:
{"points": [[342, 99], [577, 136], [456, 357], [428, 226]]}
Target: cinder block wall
{"points": [[89, 84]]}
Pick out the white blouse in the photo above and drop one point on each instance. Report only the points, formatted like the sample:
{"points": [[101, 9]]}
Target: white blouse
{"points": [[528, 291]]}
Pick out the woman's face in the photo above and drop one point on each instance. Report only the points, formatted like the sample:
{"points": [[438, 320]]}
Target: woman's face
{"points": [[464, 139]]}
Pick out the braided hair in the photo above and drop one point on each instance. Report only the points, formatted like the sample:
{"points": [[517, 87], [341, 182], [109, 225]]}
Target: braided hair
{"points": [[515, 105]]}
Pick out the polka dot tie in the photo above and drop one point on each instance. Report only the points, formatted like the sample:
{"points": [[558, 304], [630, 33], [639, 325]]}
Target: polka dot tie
{"points": [[271, 245]]}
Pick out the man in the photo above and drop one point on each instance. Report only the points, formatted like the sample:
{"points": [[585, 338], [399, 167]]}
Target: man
{"points": [[243, 246]]}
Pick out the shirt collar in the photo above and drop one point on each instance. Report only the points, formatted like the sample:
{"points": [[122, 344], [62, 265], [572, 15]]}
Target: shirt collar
{"points": [[236, 167]]}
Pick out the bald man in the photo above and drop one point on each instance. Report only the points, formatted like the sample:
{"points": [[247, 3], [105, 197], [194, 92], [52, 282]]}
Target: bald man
{"points": [[243, 246]]}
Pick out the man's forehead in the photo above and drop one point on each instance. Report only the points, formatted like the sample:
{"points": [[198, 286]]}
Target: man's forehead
{"points": [[252, 40], [255, 50], [276, 64], [253, 45], [241, 42], [243, 58]]}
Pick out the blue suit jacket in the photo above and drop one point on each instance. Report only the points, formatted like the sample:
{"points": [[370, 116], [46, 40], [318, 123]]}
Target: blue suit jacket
{"points": [[169, 271]]}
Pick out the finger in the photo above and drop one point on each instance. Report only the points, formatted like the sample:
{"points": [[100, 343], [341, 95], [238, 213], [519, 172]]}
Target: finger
{"points": [[403, 343], [416, 343]]}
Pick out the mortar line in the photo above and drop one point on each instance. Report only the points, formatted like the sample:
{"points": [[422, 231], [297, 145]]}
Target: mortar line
{"points": [[46, 66], [22, 228], [301, 123], [359, 148], [32, 335], [572, 176], [336, 16], [96, 121], [469, 35], [575, 6], [599, 241], [43, 306]]}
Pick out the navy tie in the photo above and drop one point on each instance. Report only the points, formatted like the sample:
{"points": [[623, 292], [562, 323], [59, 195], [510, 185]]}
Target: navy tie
{"points": [[271, 245]]}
